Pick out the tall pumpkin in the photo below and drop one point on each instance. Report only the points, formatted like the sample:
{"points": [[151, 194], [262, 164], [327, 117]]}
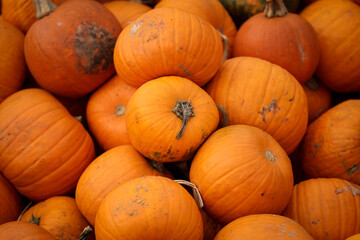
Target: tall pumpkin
{"points": [[149, 208], [18, 230], [258, 93], [168, 118], [242, 170], [43, 149], [337, 26], [168, 41], [331, 145], [328, 208], [70, 51], [282, 38]]}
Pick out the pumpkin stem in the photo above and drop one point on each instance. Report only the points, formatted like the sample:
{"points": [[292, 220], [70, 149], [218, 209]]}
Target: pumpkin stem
{"points": [[184, 111], [24, 210], [43, 8], [270, 156], [225, 42], [196, 192], [224, 116], [312, 84], [157, 165], [120, 110], [85, 233], [275, 8]]}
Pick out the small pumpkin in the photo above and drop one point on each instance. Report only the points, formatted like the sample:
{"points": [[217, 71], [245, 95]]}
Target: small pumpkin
{"points": [[149, 208], [168, 118], [242, 170], [328, 208], [168, 41], [19, 230], [59, 216], [331, 145], [43, 149], [263, 226]]}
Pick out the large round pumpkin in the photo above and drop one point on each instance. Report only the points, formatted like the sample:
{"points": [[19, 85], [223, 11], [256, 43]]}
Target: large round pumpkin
{"points": [[328, 208], [70, 52], [12, 61], [263, 226], [112, 168], [337, 26], [19, 230], [331, 145], [242, 170], [258, 93], [168, 41], [149, 208], [43, 149], [59, 216]]}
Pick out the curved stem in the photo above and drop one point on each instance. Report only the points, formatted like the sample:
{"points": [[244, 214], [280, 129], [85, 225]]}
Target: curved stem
{"points": [[85, 233], [43, 8], [196, 192], [184, 111], [24, 210], [275, 8], [225, 41], [224, 116]]}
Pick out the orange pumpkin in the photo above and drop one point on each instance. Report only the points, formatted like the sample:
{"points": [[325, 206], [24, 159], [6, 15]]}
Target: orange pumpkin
{"points": [[282, 38], [168, 118], [257, 93], [318, 98], [337, 26], [70, 52], [149, 208], [168, 41], [242, 170], [43, 149], [126, 11], [10, 201], [18, 230], [354, 237], [59, 216], [112, 168], [331, 145], [263, 226], [105, 113], [12, 61], [328, 208]]}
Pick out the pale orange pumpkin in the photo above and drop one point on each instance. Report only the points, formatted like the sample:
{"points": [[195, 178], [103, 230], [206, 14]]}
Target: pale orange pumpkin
{"points": [[19, 230]]}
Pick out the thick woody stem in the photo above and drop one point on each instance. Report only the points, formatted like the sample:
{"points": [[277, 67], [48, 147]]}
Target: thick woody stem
{"points": [[225, 42], [224, 116], [85, 233], [184, 111], [275, 8], [43, 8], [196, 192]]}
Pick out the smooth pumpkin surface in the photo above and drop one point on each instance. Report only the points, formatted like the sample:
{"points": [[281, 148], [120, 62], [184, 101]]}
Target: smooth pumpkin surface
{"points": [[105, 113], [59, 216], [337, 26], [43, 149], [109, 170], [328, 208], [18, 230], [168, 118], [12, 61], [258, 93], [263, 226], [354, 237], [149, 208], [242, 170], [331, 145], [168, 41], [70, 51]]}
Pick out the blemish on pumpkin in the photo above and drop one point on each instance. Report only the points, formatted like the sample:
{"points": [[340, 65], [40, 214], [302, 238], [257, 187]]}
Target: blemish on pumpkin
{"points": [[303, 56], [152, 37], [352, 189], [316, 145], [120, 110], [59, 23], [135, 27], [185, 70], [272, 107], [291, 99], [157, 154], [270, 156], [353, 169], [262, 194], [94, 47]]}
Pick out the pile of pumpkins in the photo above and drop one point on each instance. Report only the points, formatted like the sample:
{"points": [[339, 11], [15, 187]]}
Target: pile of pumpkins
{"points": [[169, 119]]}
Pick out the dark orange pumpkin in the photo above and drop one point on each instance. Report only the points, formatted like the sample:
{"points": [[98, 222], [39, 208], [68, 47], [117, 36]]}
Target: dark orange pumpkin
{"points": [[168, 41], [70, 52], [105, 113], [242, 170], [19, 230], [43, 149]]}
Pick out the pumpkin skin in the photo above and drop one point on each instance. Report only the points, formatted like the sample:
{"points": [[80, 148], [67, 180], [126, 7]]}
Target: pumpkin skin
{"points": [[19, 230], [340, 57], [112, 168], [263, 226], [10, 201], [154, 129], [126, 11], [210, 10], [180, 43], [318, 98], [257, 93], [12, 61], [354, 237], [70, 52], [211, 228], [242, 170], [43, 149], [105, 113], [288, 41], [331, 145], [149, 208], [58, 215], [328, 208]]}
